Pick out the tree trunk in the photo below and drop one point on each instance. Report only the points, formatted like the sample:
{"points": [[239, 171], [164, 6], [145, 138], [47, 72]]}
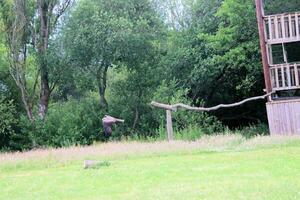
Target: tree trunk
{"points": [[102, 79], [44, 93], [27, 104], [42, 47]]}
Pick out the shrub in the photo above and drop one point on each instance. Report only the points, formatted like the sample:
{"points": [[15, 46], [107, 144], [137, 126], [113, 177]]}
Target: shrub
{"points": [[76, 122], [254, 130], [8, 121], [191, 133]]}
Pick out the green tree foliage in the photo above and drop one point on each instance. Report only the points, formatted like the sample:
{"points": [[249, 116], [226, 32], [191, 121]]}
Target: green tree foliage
{"points": [[102, 34], [8, 121], [219, 56], [277, 6], [76, 122]]}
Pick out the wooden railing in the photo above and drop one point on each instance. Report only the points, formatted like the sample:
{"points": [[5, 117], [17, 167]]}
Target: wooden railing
{"points": [[282, 28], [285, 76]]}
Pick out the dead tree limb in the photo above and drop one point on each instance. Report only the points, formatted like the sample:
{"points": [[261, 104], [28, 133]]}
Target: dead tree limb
{"points": [[175, 107]]}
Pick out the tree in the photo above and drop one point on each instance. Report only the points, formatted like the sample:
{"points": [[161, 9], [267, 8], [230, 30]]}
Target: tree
{"points": [[49, 13], [102, 34], [28, 25], [15, 16]]}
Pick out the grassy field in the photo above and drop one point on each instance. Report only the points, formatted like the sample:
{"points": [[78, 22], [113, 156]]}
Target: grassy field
{"points": [[217, 167]]}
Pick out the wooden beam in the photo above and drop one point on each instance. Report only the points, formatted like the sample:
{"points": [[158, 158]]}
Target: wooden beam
{"points": [[284, 53], [175, 107], [296, 74], [290, 26], [272, 72], [261, 30], [276, 27], [288, 71], [169, 125], [270, 28], [283, 26], [283, 76], [297, 25], [277, 78]]}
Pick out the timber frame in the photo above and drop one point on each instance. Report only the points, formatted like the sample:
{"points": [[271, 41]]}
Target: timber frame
{"points": [[279, 36], [282, 29]]}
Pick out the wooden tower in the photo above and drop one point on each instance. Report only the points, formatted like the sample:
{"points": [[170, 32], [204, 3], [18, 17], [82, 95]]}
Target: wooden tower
{"points": [[280, 48]]}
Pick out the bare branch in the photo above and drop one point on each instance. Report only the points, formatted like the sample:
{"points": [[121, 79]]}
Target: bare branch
{"points": [[175, 107], [61, 10]]}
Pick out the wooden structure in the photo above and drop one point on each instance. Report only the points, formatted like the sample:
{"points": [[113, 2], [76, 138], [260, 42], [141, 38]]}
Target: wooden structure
{"points": [[284, 117], [280, 46]]}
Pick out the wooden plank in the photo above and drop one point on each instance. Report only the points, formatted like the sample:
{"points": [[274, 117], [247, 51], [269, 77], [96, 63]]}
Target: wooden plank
{"points": [[169, 125], [284, 117], [282, 76], [270, 28], [276, 77], [272, 72], [284, 53], [276, 27], [288, 71], [293, 82], [265, 31], [290, 26], [297, 25], [283, 26], [296, 74], [271, 55]]}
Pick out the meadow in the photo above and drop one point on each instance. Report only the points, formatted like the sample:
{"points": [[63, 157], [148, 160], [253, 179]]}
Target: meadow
{"points": [[213, 167]]}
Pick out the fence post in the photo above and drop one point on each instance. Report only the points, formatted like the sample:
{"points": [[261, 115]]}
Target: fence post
{"points": [[169, 125]]}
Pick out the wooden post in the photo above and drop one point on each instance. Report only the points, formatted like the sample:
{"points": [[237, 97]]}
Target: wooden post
{"points": [[169, 125], [262, 39]]}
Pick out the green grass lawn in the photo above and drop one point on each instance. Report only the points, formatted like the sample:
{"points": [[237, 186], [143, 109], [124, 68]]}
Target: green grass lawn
{"points": [[259, 173]]}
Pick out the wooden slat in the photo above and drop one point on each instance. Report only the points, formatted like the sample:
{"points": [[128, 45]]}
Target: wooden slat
{"points": [[290, 26], [284, 53], [273, 82], [276, 77], [284, 117], [282, 76], [270, 28], [292, 76], [288, 71], [265, 29], [276, 27], [296, 74], [297, 25], [271, 55], [283, 26]]}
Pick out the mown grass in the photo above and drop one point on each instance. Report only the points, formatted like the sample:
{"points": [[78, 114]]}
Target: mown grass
{"points": [[218, 167]]}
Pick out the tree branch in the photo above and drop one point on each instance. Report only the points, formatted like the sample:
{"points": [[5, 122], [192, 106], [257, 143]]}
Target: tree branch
{"points": [[202, 109]]}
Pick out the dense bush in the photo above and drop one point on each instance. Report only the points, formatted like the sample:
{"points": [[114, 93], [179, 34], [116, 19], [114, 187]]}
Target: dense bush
{"points": [[8, 121], [254, 130], [76, 122]]}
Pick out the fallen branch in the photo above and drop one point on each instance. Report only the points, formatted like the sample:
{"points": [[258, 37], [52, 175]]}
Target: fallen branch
{"points": [[201, 109]]}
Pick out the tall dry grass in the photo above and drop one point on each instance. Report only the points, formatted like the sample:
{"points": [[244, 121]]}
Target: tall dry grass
{"points": [[122, 149]]}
